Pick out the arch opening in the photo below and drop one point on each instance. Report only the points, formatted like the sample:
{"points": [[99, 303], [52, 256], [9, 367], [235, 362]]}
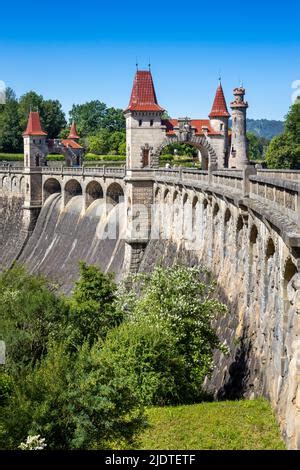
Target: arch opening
{"points": [[51, 186], [93, 192], [114, 194], [72, 189], [195, 152], [289, 272]]}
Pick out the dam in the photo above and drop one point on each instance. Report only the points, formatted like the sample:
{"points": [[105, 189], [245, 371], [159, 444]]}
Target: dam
{"points": [[241, 222]]}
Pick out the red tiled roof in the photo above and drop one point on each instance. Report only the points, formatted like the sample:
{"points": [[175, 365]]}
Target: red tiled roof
{"points": [[219, 107], [143, 96], [196, 123], [34, 125], [71, 143], [73, 132]]}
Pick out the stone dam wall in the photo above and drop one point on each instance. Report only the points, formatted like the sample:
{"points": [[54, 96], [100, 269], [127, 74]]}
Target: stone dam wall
{"points": [[64, 237], [13, 229]]}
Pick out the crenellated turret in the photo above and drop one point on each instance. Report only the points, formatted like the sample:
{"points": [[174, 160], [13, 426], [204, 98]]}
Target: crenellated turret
{"points": [[239, 151]]}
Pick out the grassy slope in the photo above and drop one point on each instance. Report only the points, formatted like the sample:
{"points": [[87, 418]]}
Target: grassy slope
{"points": [[248, 424]]}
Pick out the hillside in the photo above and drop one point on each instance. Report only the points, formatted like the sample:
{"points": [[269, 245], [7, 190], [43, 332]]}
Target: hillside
{"points": [[265, 128], [227, 425]]}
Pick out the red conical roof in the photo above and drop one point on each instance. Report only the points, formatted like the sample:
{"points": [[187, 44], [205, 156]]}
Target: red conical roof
{"points": [[143, 96], [219, 107], [73, 132], [34, 125]]}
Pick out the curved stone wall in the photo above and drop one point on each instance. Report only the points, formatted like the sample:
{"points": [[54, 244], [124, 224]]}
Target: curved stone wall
{"points": [[258, 277]]}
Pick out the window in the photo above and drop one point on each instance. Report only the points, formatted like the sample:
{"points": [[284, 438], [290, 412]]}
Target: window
{"points": [[146, 157], [221, 126], [151, 122], [140, 122], [34, 141]]}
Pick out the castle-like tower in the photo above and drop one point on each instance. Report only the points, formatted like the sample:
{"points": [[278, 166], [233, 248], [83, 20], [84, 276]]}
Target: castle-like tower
{"points": [[239, 151], [143, 122], [35, 147], [218, 117]]}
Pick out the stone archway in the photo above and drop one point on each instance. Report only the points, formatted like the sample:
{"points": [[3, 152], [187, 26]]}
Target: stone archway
{"points": [[200, 142]]}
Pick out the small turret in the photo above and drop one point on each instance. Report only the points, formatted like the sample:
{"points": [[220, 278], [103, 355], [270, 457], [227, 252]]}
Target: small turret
{"points": [[219, 116], [73, 132], [239, 151], [35, 147]]}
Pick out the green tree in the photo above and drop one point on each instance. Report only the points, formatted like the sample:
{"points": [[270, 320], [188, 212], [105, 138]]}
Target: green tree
{"points": [[74, 401], [114, 120], [88, 117], [53, 118], [284, 150], [256, 146], [92, 311], [172, 306], [292, 122], [115, 140], [99, 143], [10, 129], [51, 114], [30, 314]]}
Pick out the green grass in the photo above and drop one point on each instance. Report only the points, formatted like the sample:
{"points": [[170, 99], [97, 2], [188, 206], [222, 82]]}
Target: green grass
{"points": [[232, 425]]}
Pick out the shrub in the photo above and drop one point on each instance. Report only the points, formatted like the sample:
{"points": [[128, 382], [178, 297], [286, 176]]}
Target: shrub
{"points": [[175, 307]]}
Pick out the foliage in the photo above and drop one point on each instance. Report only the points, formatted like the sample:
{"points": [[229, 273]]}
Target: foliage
{"points": [[92, 311], [30, 315], [80, 370], [181, 149], [284, 150], [74, 401], [175, 301], [225, 425], [33, 443], [11, 157], [256, 146], [292, 122], [104, 158], [105, 142], [51, 114], [10, 129], [93, 116]]}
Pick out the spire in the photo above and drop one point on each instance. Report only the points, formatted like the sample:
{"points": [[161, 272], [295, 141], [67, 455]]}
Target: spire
{"points": [[143, 96], [34, 125], [219, 107], [73, 132]]}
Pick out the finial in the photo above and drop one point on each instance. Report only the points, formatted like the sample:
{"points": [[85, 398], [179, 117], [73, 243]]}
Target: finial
{"points": [[149, 65], [137, 64], [220, 77]]}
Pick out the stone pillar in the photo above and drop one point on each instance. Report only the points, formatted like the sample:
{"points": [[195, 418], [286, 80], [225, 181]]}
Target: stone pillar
{"points": [[139, 200]]}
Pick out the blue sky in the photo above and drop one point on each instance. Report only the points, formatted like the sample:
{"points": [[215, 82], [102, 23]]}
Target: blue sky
{"points": [[81, 51]]}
